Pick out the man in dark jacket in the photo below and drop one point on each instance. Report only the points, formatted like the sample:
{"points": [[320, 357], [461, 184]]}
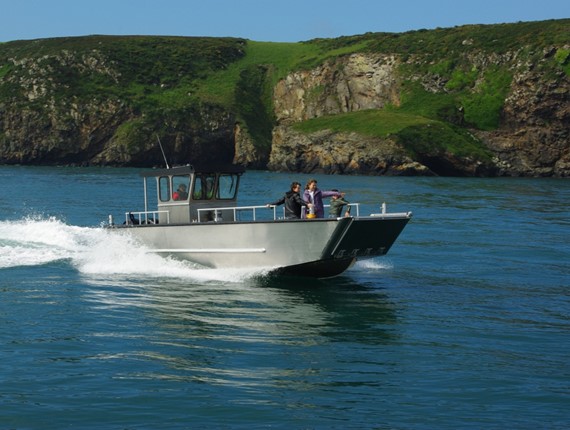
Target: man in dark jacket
{"points": [[293, 202]]}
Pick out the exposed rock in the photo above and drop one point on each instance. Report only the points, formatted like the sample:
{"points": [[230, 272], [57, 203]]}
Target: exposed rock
{"points": [[350, 83], [246, 153], [53, 112], [339, 153], [43, 119], [92, 134], [533, 138]]}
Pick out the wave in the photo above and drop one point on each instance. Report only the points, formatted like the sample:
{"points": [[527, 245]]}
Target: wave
{"points": [[95, 251], [374, 264]]}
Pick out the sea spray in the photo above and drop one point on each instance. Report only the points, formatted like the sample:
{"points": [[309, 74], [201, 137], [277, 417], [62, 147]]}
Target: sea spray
{"points": [[98, 252], [374, 264], [34, 241]]}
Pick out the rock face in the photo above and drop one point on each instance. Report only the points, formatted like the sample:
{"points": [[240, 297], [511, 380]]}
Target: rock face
{"points": [[40, 137], [246, 153], [348, 84], [351, 83], [339, 153], [533, 138], [109, 133], [45, 121], [52, 111]]}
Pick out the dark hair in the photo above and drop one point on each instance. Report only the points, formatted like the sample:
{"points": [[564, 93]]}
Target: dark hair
{"points": [[295, 185]]}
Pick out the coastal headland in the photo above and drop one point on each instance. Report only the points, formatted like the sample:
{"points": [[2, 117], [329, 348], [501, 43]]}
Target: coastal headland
{"points": [[477, 100]]}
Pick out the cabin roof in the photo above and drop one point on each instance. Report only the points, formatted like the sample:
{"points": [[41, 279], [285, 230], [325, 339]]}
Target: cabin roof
{"points": [[194, 168]]}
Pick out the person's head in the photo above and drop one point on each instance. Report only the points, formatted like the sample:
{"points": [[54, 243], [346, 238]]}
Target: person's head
{"points": [[334, 197], [295, 186], [312, 184], [181, 187]]}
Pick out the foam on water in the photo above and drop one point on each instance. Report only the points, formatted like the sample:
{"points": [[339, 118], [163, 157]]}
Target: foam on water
{"points": [[34, 241], [97, 252], [374, 264]]}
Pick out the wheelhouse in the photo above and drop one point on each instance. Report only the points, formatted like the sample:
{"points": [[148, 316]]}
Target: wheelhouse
{"points": [[182, 193]]}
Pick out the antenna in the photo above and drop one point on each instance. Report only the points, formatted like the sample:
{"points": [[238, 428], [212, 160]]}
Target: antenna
{"points": [[162, 150]]}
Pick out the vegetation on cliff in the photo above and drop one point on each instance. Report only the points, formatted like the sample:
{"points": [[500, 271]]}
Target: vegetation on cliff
{"points": [[471, 68], [102, 99]]}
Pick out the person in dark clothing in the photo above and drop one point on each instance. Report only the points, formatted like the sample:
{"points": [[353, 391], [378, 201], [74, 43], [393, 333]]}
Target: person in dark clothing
{"points": [[293, 202], [180, 193], [336, 205]]}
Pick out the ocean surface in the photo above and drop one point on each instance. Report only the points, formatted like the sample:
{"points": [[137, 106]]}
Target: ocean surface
{"points": [[465, 324]]}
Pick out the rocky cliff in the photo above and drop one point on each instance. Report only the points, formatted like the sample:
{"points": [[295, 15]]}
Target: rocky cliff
{"points": [[534, 136], [480, 101], [532, 139], [347, 84], [90, 104]]}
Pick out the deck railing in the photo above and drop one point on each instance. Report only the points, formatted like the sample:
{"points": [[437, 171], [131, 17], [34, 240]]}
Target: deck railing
{"points": [[145, 217], [239, 213], [252, 213], [205, 213], [352, 205]]}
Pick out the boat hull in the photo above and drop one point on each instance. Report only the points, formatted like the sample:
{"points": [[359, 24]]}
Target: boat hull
{"points": [[317, 248]]}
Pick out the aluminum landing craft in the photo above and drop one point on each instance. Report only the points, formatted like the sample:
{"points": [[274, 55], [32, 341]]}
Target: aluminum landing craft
{"points": [[205, 226]]}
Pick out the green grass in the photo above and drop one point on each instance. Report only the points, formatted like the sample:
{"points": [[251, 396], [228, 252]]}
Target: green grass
{"points": [[131, 136], [562, 58], [375, 123], [483, 106], [168, 79], [4, 69], [280, 60], [415, 100], [417, 134], [447, 42], [441, 138], [473, 98], [219, 86]]}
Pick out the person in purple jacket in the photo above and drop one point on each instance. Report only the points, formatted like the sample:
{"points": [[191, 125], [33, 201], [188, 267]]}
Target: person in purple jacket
{"points": [[314, 195]]}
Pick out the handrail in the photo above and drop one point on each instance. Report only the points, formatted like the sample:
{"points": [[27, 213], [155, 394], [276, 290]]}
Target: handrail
{"points": [[153, 219], [357, 205], [237, 209]]}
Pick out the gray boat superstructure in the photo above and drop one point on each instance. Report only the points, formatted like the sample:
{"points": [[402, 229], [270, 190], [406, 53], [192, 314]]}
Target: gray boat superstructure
{"points": [[206, 226]]}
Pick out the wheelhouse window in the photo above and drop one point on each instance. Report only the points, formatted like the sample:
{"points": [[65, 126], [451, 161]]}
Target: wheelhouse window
{"points": [[164, 188], [204, 187], [180, 187], [227, 186]]}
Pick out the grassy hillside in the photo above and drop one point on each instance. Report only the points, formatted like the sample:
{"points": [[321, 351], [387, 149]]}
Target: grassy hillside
{"points": [[478, 92], [170, 77]]}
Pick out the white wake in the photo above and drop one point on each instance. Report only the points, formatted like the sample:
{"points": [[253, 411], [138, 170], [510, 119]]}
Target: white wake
{"points": [[96, 252]]}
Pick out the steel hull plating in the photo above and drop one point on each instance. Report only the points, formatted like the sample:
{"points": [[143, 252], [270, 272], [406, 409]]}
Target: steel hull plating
{"points": [[318, 248]]}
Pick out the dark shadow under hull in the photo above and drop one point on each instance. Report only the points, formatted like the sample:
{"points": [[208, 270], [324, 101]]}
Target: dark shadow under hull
{"points": [[316, 269]]}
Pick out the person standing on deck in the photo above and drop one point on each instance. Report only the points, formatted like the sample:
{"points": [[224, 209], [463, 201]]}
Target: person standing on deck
{"points": [[315, 196], [293, 202], [336, 206]]}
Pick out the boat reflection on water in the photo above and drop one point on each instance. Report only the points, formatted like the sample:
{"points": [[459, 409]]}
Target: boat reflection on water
{"points": [[260, 332], [265, 305], [354, 312]]}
